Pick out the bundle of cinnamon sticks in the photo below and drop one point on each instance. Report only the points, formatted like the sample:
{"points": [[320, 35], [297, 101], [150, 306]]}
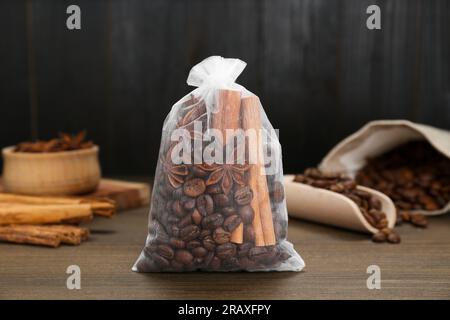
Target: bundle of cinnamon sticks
{"points": [[48, 221], [236, 112]]}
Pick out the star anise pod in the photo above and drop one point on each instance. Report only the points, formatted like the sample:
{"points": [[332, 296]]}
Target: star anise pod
{"points": [[175, 173], [226, 174], [196, 112]]}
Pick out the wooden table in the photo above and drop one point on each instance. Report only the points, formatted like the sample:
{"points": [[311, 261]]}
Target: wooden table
{"points": [[336, 263]]}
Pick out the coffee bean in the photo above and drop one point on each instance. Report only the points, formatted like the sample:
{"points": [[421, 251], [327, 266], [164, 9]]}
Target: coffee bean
{"points": [[196, 217], [221, 200], [160, 261], [244, 249], [261, 254], [419, 220], [228, 211], [249, 233], [212, 221], [221, 236], [370, 219], [188, 204], [226, 250], [375, 203], [277, 191], [393, 238], [231, 263], [193, 244], [243, 196], [209, 243], [177, 243], [247, 214], [177, 208], [204, 233], [184, 257], [205, 204], [207, 259], [383, 223], [199, 252], [215, 263], [194, 187], [165, 251], [213, 189], [406, 216], [189, 233], [338, 187], [379, 237], [246, 264], [187, 220], [362, 194], [232, 222]]}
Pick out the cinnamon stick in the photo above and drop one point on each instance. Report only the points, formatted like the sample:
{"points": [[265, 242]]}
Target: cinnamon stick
{"points": [[262, 223], [51, 236], [43, 214], [100, 206], [228, 117]]}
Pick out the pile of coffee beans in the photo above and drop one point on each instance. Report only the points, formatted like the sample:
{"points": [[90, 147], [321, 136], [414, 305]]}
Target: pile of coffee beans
{"points": [[370, 206], [192, 225], [414, 175]]}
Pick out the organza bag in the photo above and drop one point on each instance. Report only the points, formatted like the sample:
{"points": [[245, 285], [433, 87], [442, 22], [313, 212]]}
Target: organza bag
{"points": [[218, 199]]}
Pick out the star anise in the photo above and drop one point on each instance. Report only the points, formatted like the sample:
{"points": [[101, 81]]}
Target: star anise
{"points": [[226, 174], [175, 173], [196, 112]]}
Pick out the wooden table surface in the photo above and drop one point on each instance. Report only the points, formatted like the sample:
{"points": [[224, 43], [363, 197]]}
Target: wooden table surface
{"points": [[336, 263]]}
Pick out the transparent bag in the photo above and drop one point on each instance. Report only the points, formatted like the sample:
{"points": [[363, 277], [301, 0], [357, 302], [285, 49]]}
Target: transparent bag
{"points": [[218, 198]]}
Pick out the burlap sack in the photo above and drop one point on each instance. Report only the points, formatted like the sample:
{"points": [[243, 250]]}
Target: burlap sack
{"points": [[378, 137]]}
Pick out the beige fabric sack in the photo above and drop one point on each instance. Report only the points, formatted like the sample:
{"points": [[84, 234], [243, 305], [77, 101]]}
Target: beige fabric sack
{"points": [[378, 137]]}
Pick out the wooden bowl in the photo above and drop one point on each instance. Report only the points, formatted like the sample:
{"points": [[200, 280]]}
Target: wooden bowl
{"points": [[53, 173]]}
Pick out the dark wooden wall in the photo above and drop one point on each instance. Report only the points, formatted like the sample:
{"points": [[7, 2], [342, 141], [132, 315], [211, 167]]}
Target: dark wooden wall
{"points": [[320, 73]]}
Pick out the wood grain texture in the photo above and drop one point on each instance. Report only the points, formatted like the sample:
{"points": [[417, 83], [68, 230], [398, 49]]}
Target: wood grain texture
{"points": [[15, 113], [72, 70], [336, 263], [319, 72]]}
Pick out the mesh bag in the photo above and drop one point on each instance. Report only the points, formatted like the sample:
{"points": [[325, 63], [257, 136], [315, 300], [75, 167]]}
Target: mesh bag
{"points": [[218, 198]]}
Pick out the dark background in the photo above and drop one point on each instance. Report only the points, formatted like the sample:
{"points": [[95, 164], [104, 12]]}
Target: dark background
{"points": [[320, 73]]}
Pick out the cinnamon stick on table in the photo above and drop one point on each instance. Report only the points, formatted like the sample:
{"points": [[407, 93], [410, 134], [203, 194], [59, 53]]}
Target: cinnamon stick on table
{"points": [[228, 117], [50, 236], [11, 213], [100, 206], [262, 222]]}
